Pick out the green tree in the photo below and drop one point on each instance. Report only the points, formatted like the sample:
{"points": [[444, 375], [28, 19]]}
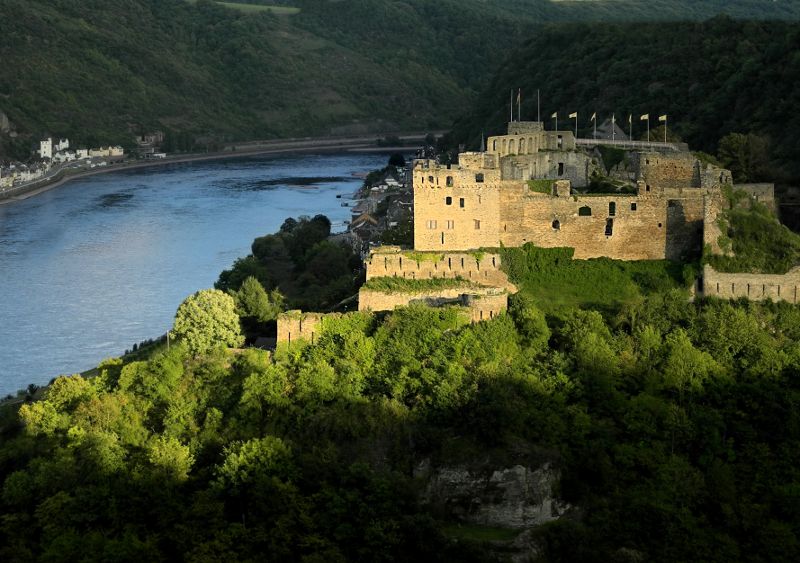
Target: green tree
{"points": [[252, 301], [746, 156], [206, 320]]}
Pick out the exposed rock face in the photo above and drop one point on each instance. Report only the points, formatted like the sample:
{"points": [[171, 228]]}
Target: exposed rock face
{"points": [[512, 497], [5, 125]]}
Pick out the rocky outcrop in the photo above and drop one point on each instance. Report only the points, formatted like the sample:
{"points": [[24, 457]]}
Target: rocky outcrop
{"points": [[508, 497]]}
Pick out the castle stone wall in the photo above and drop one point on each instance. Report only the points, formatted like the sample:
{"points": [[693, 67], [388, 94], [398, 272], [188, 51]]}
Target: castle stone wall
{"points": [[482, 303], [483, 270], [756, 287], [664, 170], [294, 326]]}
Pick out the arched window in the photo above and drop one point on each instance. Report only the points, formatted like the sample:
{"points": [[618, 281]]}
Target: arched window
{"points": [[449, 181], [585, 211], [522, 146], [511, 145], [612, 208], [556, 224], [494, 145]]}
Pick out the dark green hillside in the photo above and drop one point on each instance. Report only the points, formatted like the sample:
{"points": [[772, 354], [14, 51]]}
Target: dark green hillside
{"points": [[102, 70], [712, 78]]}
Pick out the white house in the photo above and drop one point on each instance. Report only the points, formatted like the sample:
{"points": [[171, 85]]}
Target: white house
{"points": [[62, 145], [82, 153]]}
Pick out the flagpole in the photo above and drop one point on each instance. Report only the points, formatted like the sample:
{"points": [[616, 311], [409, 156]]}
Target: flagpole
{"points": [[613, 127], [538, 107], [576, 124], [595, 125], [511, 104], [519, 105], [648, 127], [665, 129]]}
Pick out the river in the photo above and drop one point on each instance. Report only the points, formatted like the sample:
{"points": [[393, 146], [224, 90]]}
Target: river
{"points": [[98, 264]]}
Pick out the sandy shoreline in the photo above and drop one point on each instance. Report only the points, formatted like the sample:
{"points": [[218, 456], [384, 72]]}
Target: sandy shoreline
{"points": [[351, 144]]}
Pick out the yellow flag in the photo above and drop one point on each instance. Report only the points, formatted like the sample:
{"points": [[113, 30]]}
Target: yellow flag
{"points": [[555, 114], [645, 117], [575, 115], [594, 116], [662, 117]]}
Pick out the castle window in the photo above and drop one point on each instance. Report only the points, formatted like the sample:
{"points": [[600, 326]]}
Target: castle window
{"points": [[612, 208], [461, 202], [522, 146], [560, 141], [442, 238], [430, 179], [494, 145], [609, 227], [451, 224], [448, 200], [477, 224], [659, 225], [585, 211], [431, 224], [479, 199], [560, 168], [633, 206], [647, 187], [449, 181], [556, 225], [479, 178]]}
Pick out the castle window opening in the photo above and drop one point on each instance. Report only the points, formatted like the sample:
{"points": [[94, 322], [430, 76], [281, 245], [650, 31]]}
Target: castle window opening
{"points": [[451, 224], [494, 145], [560, 168], [479, 178], [448, 200], [633, 206], [586, 211], [647, 187], [612, 208], [522, 146], [431, 224], [609, 227], [494, 264], [461, 202], [556, 225], [560, 141], [430, 179], [477, 224], [442, 238], [479, 199], [659, 225], [449, 181], [511, 146]]}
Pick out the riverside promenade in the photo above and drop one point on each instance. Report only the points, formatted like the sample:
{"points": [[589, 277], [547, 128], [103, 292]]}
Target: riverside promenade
{"points": [[59, 175]]}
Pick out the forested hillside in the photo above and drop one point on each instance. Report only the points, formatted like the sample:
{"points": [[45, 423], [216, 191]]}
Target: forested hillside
{"points": [[711, 78], [102, 70]]}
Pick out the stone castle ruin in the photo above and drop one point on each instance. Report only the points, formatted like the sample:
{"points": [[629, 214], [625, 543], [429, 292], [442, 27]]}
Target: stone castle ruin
{"points": [[533, 185]]}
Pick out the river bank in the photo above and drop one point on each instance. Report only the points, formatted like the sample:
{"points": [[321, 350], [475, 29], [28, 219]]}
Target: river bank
{"points": [[253, 148]]}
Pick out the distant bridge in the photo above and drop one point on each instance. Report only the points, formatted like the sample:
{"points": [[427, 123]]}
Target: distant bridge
{"points": [[653, 145]]}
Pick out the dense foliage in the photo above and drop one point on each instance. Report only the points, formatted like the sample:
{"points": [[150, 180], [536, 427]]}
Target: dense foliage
{"points": [[711, 78], [753, 240], [301, 263], [675, 426], [101, 71]]}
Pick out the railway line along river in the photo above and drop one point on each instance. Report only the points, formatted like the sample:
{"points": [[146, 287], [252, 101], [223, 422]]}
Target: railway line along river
{"points": [[101, 263]]}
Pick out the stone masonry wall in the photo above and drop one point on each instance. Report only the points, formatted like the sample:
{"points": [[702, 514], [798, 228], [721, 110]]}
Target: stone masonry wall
{"points": [[392, 262], [668, 170], [295, 325], [756, 287], [482, 303]]}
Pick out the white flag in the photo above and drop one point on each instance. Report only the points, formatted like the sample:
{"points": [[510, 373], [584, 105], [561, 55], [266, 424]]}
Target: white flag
{"points": [[594, 116], [645, 117], [662, 117], [575, 115], [555, 114]]}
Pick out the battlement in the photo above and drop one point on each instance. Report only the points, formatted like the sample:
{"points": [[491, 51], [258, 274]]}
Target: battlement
{"points": [[525, 127], [480, 268], [756, 287]]}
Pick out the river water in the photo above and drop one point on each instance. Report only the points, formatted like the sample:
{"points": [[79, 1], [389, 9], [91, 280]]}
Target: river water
{"points": [[98, 264]]}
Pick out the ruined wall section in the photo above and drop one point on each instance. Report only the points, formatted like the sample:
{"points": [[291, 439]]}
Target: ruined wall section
{"points": [[483, 268], [624, 227], [756, 287], [481, 303], [294, 326], [685, 217], [574, 166], [763, 193], [678, 170]]}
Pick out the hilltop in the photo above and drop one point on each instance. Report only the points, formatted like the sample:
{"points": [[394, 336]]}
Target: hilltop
{"points": [[711, 78], [208, 72]]}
